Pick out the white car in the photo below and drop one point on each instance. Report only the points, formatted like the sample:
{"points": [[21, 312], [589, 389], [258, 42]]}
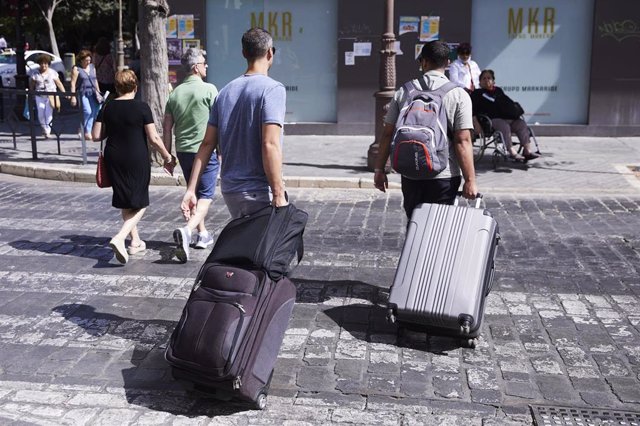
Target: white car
{"points": [[8, 65]]}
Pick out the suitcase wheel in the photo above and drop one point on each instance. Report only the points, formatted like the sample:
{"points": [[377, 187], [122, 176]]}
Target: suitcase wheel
{"points": [[391, 317], [261, 401], [469, 343]]}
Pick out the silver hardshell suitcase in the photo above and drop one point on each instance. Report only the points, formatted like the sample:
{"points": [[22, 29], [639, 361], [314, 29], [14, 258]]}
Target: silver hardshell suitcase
{"points": [[445, 271]]}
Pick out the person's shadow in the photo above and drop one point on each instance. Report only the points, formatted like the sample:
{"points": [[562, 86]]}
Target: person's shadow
{"points": [[90, 247], [149, 382]]}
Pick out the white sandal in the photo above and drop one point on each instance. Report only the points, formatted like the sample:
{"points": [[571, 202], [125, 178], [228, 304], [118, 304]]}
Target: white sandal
{"points": [[137, 249], [119, 250]]}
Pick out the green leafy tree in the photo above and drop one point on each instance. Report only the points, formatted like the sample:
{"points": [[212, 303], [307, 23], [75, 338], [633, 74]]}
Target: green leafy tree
{"points": [[87, 20]]}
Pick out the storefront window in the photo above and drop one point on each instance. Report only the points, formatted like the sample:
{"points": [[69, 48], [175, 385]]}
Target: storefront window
{"points": [[306, 50], [540, 52]]}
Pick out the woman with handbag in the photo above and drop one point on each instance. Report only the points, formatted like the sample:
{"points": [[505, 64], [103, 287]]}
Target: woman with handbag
{"points": [[127, 124], [490, 100], [45, 80], [83, 79]]}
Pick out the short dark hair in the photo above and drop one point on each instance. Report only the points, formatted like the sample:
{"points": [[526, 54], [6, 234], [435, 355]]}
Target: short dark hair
{"points": [[43, 59], [436, 52], [256, 42], [464, 49], [488, 71]]}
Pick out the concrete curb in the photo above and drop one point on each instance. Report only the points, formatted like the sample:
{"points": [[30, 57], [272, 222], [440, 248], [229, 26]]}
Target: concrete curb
{"points": [[84, 175]]}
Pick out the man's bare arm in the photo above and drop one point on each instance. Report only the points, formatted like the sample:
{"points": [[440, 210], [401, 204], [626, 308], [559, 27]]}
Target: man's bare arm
{"points": [[464, 152], [272, 162], [384, 148]]}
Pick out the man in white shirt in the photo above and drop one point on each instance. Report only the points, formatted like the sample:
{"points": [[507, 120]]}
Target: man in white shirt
{"points": [[463, 71]]}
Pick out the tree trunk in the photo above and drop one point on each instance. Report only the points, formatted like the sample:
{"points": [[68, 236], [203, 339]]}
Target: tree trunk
{"points": [[154, 63], [48, 8], [52, 33]]}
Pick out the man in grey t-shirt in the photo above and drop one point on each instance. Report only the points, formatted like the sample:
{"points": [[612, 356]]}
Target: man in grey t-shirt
{"points": [[457, 104], [246, 124]]}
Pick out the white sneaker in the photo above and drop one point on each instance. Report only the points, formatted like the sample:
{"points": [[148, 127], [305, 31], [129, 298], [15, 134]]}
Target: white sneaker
{"points": [[194, 238], [182, 237], [205, 239]]}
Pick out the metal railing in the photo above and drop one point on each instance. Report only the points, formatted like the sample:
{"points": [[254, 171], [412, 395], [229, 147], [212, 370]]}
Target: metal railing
{"points": [[66, 119]]}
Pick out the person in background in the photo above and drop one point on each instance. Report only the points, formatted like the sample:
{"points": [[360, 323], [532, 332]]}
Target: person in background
{"points": [[45, 79], [246, 125], [186, 115], [463, 71], [128, 124], [105, 65], [504, 113], [3, 42], [83, 79]]}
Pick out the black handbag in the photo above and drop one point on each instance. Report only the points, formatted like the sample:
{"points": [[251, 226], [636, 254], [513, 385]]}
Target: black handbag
{"points": [[509, 109], [269, 239]]}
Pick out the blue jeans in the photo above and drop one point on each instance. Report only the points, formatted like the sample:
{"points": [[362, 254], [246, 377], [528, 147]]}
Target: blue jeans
{"points": [[90, 108]]}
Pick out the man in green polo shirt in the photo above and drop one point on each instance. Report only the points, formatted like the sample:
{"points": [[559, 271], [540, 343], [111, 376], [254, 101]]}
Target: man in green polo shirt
{"points": [[187, 113]]}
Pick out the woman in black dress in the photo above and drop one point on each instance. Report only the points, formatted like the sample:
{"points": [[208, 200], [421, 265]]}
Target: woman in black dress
{"points": [[128, 123]]}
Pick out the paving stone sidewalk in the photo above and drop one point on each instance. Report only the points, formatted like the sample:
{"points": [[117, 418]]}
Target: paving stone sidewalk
{"points": [[575, 165], [82, 338]]}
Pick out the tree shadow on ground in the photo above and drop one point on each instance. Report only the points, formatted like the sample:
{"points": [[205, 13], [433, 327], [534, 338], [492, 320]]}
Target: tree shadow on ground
{"points": [[148, 381], [90, 247]]}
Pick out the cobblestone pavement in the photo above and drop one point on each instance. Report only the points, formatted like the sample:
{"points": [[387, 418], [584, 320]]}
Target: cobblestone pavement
{"points": [[568, 165], [82, 338]]}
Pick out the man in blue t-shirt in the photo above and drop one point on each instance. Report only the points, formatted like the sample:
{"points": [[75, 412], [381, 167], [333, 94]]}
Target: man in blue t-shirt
{"points": [[246, 124]]}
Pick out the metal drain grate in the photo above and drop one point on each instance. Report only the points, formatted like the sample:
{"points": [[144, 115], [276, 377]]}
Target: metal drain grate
{"points": [[545, 415]]}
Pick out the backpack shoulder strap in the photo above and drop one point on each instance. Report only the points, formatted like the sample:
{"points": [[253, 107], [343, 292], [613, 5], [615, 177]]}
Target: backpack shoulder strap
{"points": [[409, 89], [423, 83]]}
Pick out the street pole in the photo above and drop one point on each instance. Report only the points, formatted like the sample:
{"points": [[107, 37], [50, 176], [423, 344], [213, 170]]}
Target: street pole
{"points": [[120, 51], [387, 75], [21, 77]]}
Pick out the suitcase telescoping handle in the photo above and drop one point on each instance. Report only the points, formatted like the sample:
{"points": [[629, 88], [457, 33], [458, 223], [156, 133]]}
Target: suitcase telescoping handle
{"points": [[479, 200]]}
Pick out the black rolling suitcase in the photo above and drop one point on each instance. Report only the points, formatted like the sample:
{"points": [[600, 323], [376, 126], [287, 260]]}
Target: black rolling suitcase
{"points": [[233, 324], [230, 332]]}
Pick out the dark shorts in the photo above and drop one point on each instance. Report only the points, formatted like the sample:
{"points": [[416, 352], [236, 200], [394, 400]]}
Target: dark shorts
{"points": [[207, 186], [435, 191]]}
